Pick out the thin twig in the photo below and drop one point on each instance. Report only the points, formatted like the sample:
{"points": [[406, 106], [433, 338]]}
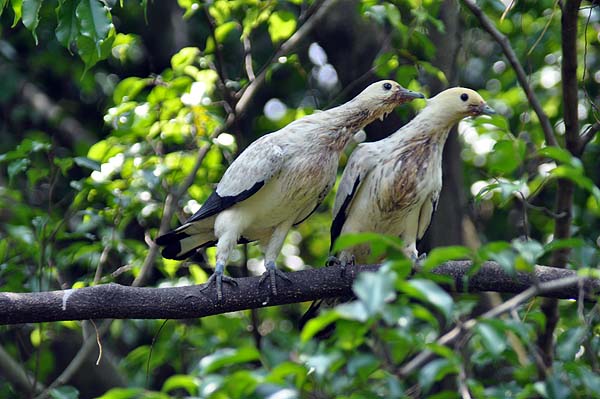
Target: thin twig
{"points": [[248, 58], [75, 364], [97, 342], [509, 53], [246, 95], [451, 336]]}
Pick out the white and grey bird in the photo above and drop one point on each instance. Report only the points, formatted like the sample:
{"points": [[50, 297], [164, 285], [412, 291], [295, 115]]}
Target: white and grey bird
{"points": [[392, 186], [277, 182]]}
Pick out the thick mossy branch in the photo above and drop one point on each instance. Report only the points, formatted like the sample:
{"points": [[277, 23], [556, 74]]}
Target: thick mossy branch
{"points": [[113, 301]]}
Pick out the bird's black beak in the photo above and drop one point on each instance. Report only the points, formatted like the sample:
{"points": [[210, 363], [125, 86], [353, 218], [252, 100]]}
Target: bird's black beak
{"points": [[405, 95]]}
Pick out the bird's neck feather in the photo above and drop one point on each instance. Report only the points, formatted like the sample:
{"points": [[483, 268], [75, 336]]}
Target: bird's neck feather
{"points": [[347, 119], [432, 121]]}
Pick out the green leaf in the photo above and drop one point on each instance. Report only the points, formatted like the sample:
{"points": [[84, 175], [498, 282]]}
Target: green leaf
{"points": [[184, 57], [228, 357], [88, 50], [64, 164], [86, 162], [354, 310], [506, 156], [437, 256], [322, 364], [17, 7], [491, 337], [122, 393], [68, 25], [317, 324], [375, 289], [569, 342], [31, 15], [94, 22], [187, 382], [65, 392], [530, 250], [16, 167], [2, 5], [564, 243], [556, 387], [363, 365], [434, 371], [378, 242], [222, 31], [282, 25], [429, 292], [561, 155]]}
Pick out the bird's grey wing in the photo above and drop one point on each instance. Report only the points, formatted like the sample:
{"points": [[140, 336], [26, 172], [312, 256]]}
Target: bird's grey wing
{"points": [[426, 213], [361, 162], [244, 177]]}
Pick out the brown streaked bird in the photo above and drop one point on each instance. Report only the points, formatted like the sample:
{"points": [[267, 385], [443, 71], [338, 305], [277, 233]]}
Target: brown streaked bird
{"points": [[277, 182], [392, 186]]}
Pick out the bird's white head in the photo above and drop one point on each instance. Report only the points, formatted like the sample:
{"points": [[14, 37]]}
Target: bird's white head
{"points": [[459, 102], [381, 97]]}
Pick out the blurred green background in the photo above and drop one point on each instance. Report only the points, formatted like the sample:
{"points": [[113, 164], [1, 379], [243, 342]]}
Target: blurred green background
{"points": [[106, 108]]}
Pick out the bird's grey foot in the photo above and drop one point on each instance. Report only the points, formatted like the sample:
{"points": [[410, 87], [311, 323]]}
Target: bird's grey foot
{"points": [[335, 261], [272, 273], [418, 259], [332, 261], [218, 278]]}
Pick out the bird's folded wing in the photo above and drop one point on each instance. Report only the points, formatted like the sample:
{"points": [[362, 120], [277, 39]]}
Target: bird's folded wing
{"points": [[360, 164], [426, 213], [245, 176]]}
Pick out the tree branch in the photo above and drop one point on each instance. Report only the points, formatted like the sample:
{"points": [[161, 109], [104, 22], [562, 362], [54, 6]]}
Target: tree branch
{"points": [[120, 302], [69, 128], [565, 188], [508, 51], [247, 94], [16, 374]]}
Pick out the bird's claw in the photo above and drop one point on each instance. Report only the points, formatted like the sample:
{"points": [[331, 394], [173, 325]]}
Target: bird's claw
{"points": [[272, 273], [335, 261], [418, 259], [218, 279], [332, 261]]}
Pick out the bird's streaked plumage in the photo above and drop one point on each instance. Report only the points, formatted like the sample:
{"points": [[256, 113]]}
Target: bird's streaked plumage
{"points": [[392, 186], [278, 181]]}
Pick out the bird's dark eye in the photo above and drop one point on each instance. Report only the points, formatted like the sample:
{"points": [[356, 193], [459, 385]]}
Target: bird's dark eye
{"points": [[387, 86], [464, 96]]}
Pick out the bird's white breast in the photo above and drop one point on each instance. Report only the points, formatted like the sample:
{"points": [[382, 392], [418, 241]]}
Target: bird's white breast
{"points": [[289, 196]]}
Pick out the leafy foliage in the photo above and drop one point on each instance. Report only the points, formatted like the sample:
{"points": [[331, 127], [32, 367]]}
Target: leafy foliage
{"points": [[80, 205]]}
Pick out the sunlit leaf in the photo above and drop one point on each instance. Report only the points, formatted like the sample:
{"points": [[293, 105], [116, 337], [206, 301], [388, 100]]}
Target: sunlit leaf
{"points": [[17, 7], [228, 357], [187, 382], [282, 25], [314, 325]]}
